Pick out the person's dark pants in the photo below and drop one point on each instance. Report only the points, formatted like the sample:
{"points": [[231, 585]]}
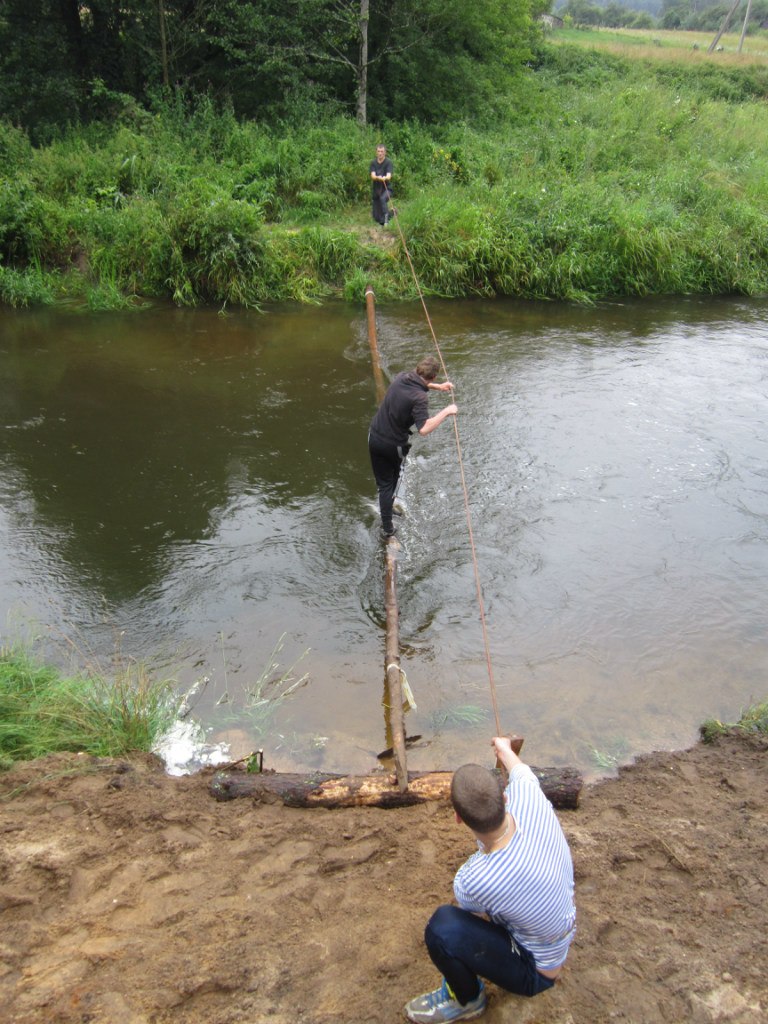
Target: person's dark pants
{"points": [[379, 208], [387, 463], [464, 946]]}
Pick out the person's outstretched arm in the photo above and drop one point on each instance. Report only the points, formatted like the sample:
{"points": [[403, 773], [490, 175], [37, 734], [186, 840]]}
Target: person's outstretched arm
{"points": [[434, 421], [502, 746]]}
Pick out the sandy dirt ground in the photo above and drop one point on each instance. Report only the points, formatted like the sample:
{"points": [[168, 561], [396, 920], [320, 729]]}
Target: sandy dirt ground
{"points": [[130, 897]]}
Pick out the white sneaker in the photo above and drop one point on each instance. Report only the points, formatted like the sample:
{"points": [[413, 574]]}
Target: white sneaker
{"points": [[441, 1006]]}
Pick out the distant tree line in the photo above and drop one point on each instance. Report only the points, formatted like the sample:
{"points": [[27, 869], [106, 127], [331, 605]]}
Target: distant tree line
{"points": [[693, 15], [707, 16], [612, 15], [64, 61]]}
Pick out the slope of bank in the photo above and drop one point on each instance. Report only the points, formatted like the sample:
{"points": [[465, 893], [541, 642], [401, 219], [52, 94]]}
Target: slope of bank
{"points": [[130, 897]]}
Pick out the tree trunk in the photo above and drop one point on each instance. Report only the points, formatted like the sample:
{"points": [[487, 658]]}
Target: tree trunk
{"points": [[163, 43], [70, 13], [378, 375], [362, 67], [562, 787]]}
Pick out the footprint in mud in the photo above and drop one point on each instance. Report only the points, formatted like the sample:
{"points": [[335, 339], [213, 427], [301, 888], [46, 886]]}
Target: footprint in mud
{"points": [[339, 858], [280, 859], [428, 851]]}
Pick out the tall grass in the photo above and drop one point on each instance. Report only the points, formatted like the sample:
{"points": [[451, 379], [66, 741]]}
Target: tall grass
{"points": [[608, 176], [686, 45], [43, 711], [31, 286]]}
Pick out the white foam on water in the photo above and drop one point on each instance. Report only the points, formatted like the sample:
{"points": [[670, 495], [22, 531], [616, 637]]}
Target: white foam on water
{"points": [[185, 751]]}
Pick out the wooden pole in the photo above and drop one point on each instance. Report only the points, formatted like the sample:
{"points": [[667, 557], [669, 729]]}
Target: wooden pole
{"points": [[723, 26], [745, 26], [393, 686], [378, 376], [394, 689]]}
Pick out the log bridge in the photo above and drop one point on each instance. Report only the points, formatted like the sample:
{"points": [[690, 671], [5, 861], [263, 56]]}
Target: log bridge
{"points": [[380, 789]]}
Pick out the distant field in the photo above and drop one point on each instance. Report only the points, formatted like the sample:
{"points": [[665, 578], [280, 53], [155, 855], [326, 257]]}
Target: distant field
{"points": [[649, 43]]}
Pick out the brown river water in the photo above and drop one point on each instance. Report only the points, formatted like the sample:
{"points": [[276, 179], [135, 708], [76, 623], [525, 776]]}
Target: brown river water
{"points": [[194, 489]]}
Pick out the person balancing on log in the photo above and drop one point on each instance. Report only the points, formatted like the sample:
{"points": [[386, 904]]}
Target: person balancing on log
{"points": [[405, 405], [515, 917]]}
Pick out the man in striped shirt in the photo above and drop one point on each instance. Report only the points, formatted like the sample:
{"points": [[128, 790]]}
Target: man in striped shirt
{"points": [[520, 881]]}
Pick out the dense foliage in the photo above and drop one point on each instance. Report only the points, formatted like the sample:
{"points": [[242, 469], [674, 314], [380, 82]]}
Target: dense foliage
{"points": [[67, 61], [608, 15], [603, 176]]}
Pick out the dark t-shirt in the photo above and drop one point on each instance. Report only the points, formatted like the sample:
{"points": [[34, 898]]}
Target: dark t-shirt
{"points": [[405, 405], [382, 169]]}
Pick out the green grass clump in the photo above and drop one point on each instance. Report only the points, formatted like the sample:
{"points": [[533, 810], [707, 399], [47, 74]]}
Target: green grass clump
{"points": [[43, 711], [29, 287], [753, 720]]}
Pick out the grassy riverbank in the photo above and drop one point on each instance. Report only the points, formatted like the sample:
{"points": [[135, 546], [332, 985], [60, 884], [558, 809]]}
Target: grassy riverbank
{"points": [[608, 176], [44, 711]]}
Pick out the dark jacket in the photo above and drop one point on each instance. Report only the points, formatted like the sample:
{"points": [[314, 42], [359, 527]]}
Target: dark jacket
{"points": [[404, 406], [381, 169]]}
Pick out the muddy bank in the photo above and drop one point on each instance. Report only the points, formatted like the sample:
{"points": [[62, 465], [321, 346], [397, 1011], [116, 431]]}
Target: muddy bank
{"points": [[130, 897]]}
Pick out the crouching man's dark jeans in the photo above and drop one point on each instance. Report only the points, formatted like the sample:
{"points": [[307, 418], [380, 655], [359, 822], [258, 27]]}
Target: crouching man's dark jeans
{"points": [[464, 946]]}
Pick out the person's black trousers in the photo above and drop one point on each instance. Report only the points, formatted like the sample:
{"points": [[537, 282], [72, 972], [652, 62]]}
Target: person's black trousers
{"points": [[379, 208], [387, 462]]}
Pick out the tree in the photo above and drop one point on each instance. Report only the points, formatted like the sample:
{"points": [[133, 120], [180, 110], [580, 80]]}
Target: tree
{"points": [[454, 59], [269, 58], [38, 82]]}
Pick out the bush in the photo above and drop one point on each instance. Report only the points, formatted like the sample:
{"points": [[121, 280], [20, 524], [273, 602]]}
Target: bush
{"points": [[29, 287], [15, 149]]}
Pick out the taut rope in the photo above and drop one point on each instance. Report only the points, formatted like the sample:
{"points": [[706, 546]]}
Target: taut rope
{"points": [[478, 587]]}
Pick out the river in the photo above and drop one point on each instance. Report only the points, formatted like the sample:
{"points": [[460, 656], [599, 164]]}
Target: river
{"points": [[194, 489]]}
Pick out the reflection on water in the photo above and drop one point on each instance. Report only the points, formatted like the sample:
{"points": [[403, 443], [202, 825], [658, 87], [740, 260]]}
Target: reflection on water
{"points": [[199, 485]]}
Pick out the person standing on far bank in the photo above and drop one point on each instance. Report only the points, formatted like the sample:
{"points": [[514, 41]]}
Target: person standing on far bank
{"points": [[405, 405], [381, 184]]}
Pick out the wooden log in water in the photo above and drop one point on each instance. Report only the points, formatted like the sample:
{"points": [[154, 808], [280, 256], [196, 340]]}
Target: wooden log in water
{"points": [[561, 785], [393, 679], [378, 375]]}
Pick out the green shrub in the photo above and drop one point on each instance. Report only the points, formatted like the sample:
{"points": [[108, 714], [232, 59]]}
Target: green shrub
{"points": [[602, 179], [33, 227], [15, 149], [29, 287], [218, 250]]}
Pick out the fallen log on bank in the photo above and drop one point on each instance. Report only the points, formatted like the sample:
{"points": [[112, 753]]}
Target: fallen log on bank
{"points": [[561, 785]]}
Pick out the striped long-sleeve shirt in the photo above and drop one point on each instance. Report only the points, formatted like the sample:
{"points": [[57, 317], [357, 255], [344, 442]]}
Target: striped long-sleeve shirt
{"points": [[527, 886]]}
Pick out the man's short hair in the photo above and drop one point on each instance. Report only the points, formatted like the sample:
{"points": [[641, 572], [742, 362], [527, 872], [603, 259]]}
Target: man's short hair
{"points": [[428, 368], [477, 796]]}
